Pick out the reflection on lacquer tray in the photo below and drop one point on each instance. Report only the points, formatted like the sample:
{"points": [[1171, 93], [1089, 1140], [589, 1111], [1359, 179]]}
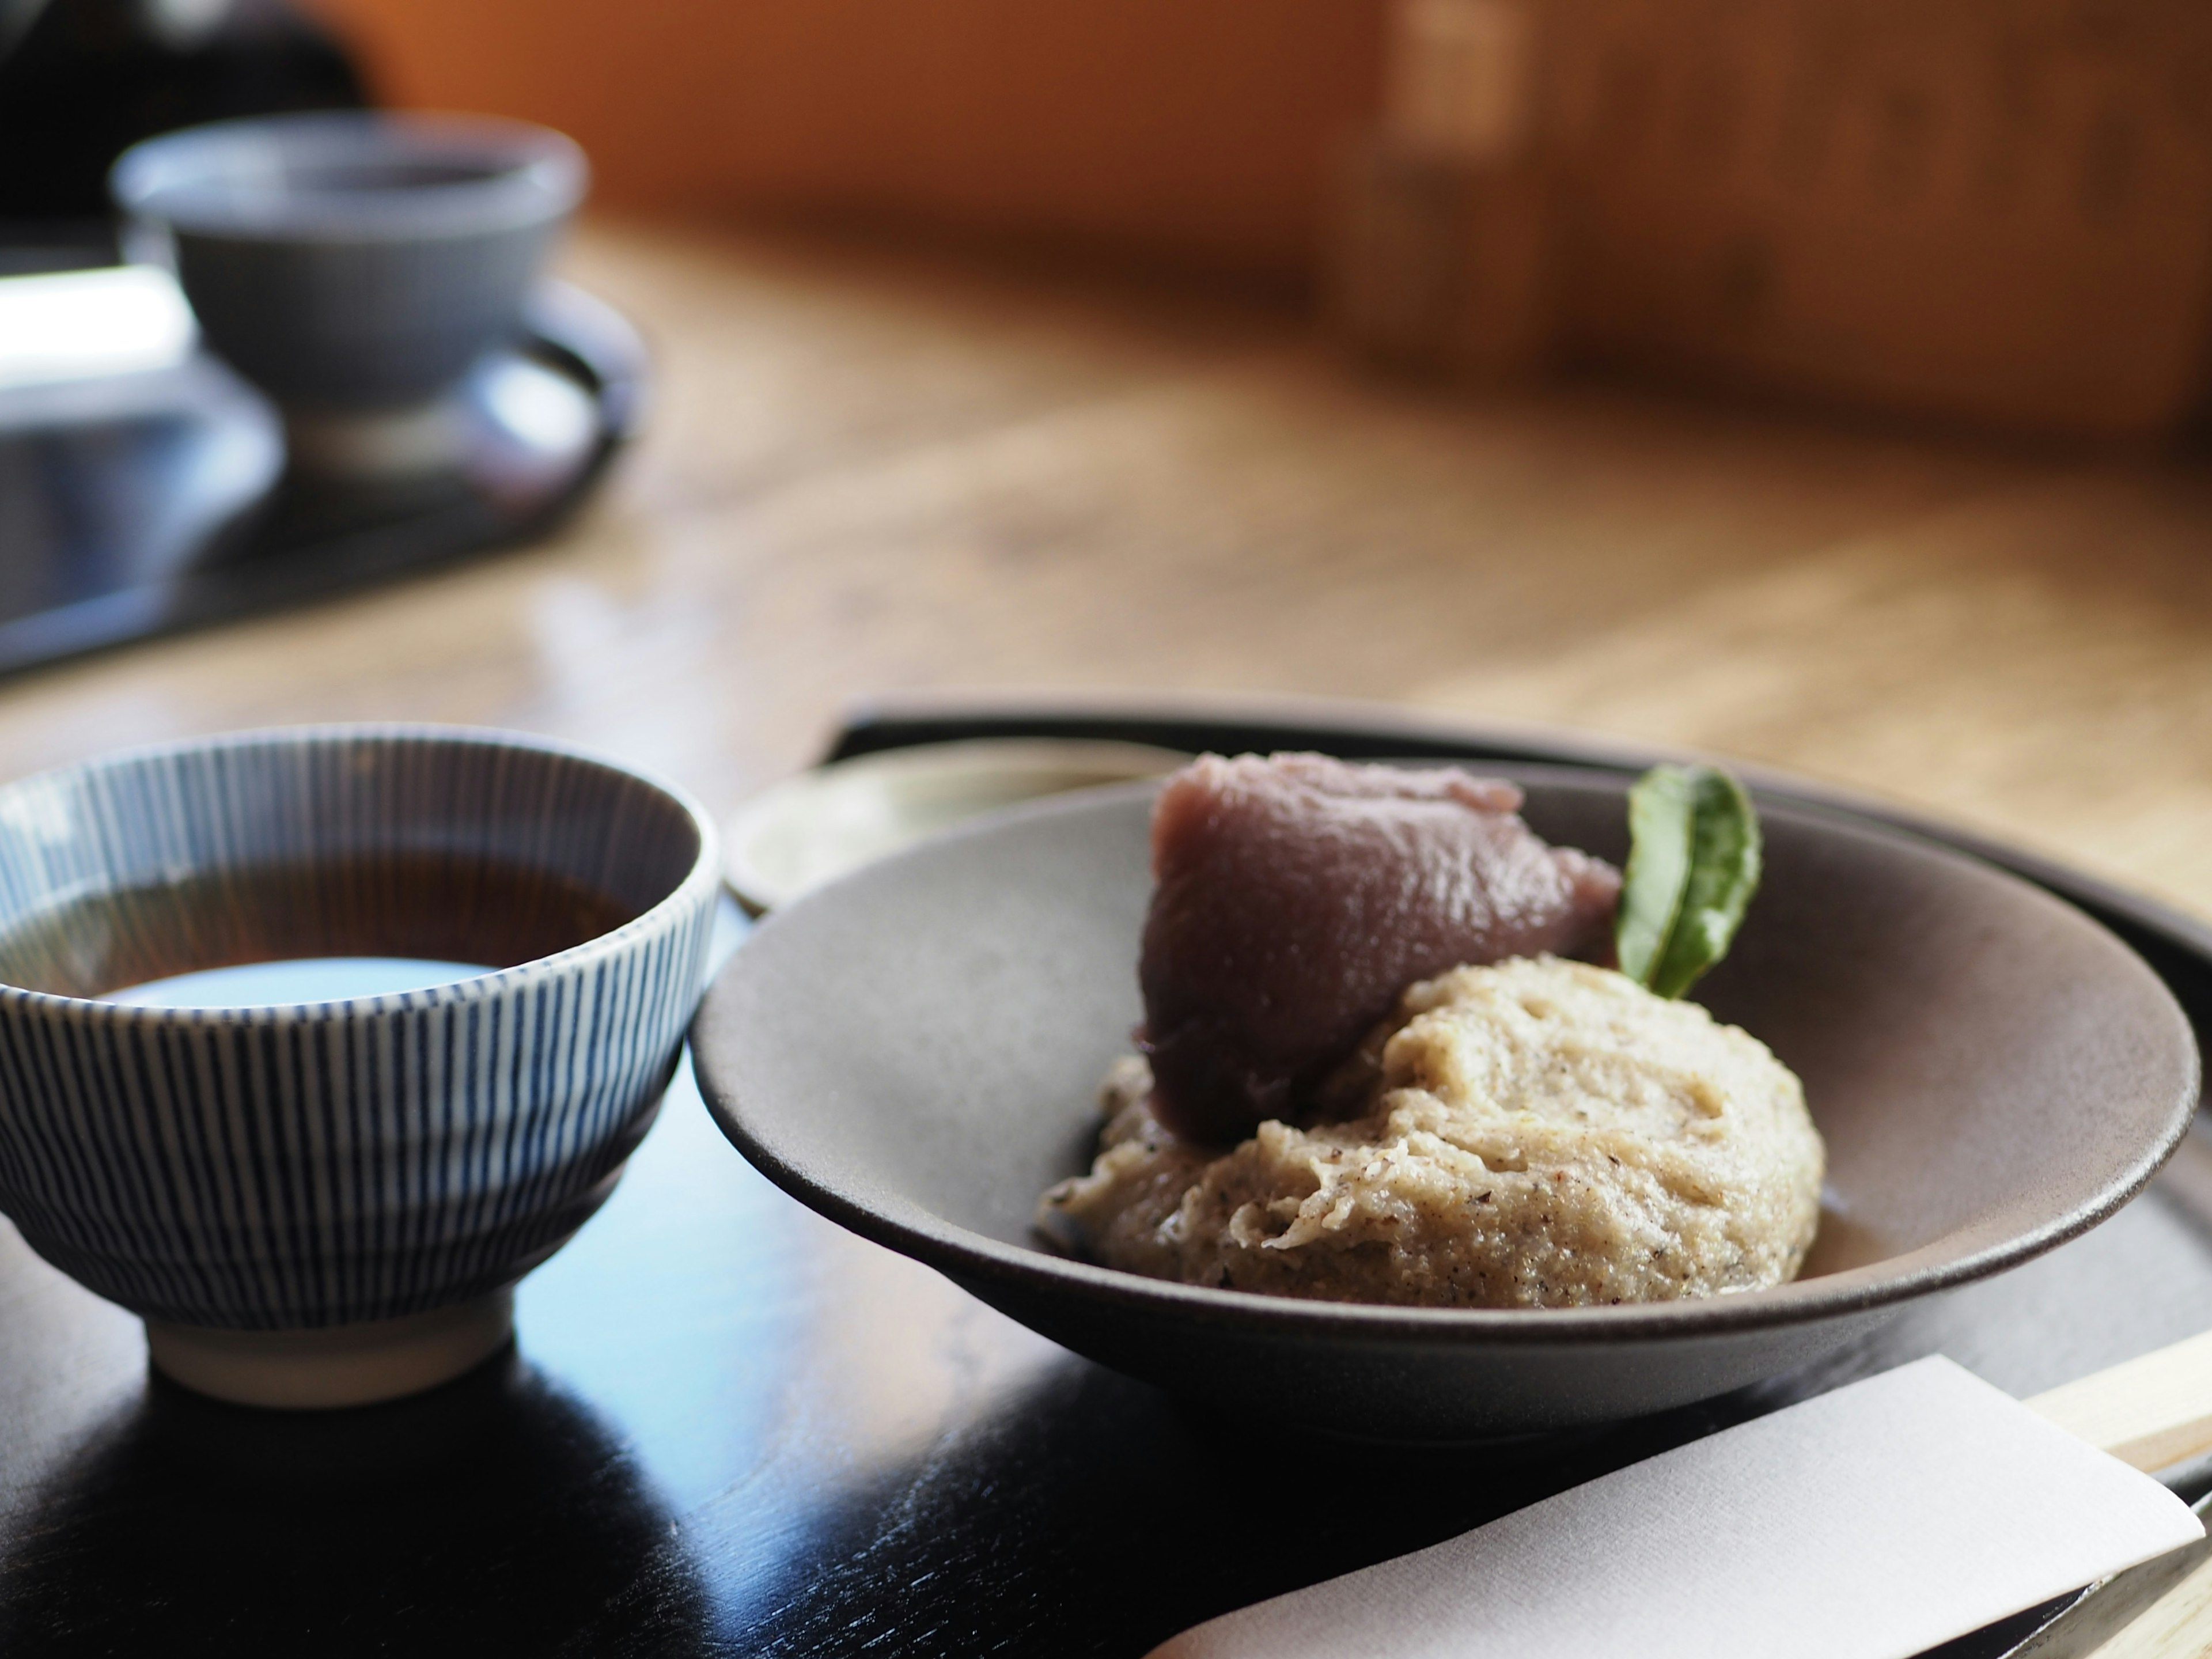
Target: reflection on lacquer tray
{"points": [[496, 1514]]}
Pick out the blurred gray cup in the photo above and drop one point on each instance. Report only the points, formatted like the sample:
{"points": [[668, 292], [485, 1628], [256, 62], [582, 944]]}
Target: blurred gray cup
{"points": [[355, 266]]}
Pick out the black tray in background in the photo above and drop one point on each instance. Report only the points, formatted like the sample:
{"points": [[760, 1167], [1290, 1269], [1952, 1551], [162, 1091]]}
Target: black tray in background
{"points": [[145, 504]]}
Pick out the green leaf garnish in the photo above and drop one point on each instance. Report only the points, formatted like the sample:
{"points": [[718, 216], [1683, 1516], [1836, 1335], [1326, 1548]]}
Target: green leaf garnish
{"points": [[1694, 864]]}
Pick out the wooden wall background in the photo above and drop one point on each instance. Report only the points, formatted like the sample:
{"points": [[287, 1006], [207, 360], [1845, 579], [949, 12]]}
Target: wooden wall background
{"points": [[1185, 132]]}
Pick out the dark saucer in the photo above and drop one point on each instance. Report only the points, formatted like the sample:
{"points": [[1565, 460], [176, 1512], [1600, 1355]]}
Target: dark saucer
{"points": [[152, 503]]}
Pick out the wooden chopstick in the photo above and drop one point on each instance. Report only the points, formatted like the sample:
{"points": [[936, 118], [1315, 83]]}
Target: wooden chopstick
{"points": [[2150, 1412], [2178, 1625]]}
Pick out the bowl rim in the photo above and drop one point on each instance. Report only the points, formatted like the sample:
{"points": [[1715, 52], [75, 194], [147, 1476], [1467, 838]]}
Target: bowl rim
{"points": [[180, 180], [968, 1256], [700, 884]]}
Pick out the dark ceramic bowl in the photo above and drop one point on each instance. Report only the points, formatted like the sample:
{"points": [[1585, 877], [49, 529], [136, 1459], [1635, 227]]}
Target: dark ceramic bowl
{"points": [[353, 263], [914, 1051]]}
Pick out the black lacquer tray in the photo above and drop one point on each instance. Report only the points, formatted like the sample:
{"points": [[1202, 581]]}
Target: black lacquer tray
{"points": [[729, 1427], [146, 504]]}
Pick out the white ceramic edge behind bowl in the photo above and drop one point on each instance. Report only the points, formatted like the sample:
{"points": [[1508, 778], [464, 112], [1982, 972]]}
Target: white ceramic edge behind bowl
{"points": [[828, 820]]}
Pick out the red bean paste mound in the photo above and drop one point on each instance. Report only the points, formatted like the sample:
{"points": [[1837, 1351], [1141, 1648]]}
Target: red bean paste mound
{"points": [[1296, 897]]}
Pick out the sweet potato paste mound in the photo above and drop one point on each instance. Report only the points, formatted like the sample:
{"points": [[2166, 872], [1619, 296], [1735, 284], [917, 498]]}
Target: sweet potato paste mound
{"points": [[1535, 1133]]}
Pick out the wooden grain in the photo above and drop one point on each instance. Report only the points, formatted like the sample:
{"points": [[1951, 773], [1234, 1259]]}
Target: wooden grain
{"points": [[2000, 209], [1186, 131], [867, 471], [2178, 1625], [1995, 210], [2150, 1412]]}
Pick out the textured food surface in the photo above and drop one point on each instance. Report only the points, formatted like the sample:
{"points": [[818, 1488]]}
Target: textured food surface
{"points": [[1538, 1133], [1295, 896]]}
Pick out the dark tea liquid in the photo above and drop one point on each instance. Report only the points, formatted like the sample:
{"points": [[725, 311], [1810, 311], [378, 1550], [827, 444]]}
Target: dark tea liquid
{"points": [[308, 932]]}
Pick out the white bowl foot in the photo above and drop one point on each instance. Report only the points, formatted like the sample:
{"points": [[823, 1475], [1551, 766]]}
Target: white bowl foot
{"points": [[341, 1365]]}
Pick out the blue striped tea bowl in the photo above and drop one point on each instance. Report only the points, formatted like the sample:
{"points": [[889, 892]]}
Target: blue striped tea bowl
{"points": [[321, 1202]]}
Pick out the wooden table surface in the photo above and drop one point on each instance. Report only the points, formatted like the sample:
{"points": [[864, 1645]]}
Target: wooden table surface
{"points": [[865, 472], [730, 1428]]}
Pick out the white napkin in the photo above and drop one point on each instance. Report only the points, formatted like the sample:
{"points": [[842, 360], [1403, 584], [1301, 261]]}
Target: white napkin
{"points": [[1868, 1523]]}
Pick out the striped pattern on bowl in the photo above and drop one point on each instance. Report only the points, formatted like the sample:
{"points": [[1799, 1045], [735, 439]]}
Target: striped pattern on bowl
{"points": [[325, 1164]]}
